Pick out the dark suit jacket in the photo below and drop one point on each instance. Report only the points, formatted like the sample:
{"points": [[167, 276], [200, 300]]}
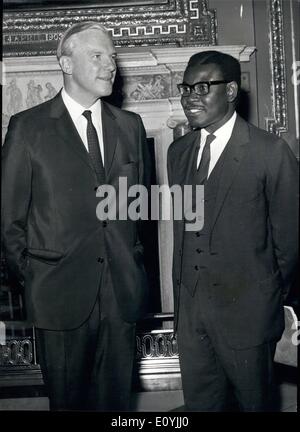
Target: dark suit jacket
{"points": [[52, 237], [253, 245]]}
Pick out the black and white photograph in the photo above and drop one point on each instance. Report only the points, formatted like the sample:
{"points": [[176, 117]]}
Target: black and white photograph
{"points": [[149, 209]]}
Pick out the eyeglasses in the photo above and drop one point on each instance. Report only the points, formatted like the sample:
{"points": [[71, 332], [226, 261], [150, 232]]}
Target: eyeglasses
{"points": [[201, 88]]}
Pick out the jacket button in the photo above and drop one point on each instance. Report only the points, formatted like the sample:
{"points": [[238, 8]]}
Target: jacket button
{"points": [[100, 260], [95, 188], [196, 267], [104, 224], [198, 234], [178, 282], [199, 250]]}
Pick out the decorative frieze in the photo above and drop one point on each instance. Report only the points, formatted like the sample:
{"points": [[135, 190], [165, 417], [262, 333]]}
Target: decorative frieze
{"points": [[169, 22]]}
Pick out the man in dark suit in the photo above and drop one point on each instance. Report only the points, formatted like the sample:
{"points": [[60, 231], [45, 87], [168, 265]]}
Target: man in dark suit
{"points": [[231, 277], [85, 283]]}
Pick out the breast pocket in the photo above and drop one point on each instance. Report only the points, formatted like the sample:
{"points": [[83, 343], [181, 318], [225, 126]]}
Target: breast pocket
{"points": [[245, 197], [247, 188]]}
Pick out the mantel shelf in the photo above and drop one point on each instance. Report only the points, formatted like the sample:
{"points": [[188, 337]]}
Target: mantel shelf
{"points": [[171, 58]]}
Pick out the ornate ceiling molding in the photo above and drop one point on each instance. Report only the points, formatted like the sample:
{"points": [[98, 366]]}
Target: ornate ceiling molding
{"points": [[173, 22]]}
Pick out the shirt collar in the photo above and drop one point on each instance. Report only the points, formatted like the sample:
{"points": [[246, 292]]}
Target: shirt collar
{"points": [[76, 110], [225, 130]]}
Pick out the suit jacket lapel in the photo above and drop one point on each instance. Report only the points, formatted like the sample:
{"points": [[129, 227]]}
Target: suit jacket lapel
{"points": [[110, 136], [235, 151], [186, 159], [67, 130]]}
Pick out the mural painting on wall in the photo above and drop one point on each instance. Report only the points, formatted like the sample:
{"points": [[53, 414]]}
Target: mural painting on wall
{"points": [[20, 93], [15, 98], [131, 23], [35, 94]]}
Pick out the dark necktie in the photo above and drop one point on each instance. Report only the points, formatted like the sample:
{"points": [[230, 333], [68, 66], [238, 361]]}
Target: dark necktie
{"points": [[94, 148], [202, 171]]}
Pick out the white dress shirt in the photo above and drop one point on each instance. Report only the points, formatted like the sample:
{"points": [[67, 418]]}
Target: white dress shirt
{"points": [[217, 146], [80, 122]]}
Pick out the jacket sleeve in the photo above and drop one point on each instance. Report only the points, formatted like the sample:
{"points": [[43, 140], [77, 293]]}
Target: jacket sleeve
{"points": [[282, 190], [16, 195], [169, 167], [145, 170], [144, 157]]}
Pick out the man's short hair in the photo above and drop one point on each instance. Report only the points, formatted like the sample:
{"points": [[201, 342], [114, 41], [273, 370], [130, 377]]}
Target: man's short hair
{"points": [[229, 66], [64, 43]]}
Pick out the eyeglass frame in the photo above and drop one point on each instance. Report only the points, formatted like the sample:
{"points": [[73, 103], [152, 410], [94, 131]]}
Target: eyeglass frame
{"points": [[208, 83]]}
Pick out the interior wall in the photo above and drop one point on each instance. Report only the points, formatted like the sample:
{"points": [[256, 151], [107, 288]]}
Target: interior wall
{"points": [[287, 43], [271, 26], [236, 26], [235, 21]]}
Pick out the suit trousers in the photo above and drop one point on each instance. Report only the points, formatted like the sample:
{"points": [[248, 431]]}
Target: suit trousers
{"points": [[215, 376], [90, 367]]}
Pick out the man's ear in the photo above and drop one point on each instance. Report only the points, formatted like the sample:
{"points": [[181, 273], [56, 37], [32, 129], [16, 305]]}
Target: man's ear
{"points": [[66, 64], [232, 91]]}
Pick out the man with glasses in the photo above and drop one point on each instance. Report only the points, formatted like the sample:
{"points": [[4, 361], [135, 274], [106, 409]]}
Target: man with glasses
{"points": [[231, 277]]}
